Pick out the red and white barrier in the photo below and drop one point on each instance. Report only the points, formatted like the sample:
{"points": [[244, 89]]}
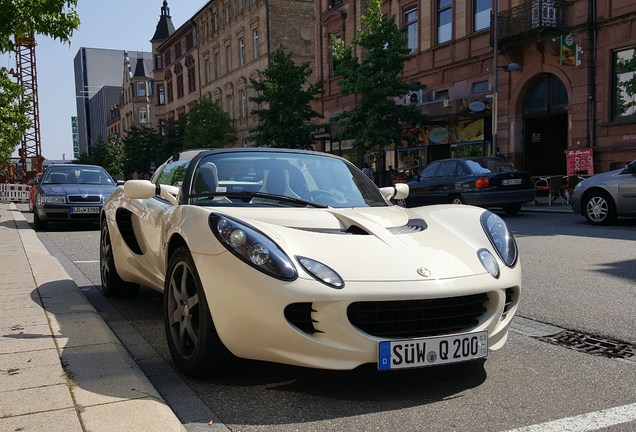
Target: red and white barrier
{"points": [[17, 193]]}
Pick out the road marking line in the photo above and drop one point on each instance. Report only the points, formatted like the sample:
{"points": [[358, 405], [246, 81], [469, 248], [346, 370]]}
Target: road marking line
{"points": [[586, 422], [85, 262]]}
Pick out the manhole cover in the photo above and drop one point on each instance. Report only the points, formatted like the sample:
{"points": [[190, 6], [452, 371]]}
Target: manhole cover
{"points": [[592, 345]]}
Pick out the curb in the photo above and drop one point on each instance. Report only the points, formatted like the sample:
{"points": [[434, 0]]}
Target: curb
{"points": [[94, 384]]}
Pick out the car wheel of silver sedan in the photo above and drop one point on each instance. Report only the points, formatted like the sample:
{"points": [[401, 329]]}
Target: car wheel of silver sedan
{"points": [[112, 284], [192, 338], [599, 208]]}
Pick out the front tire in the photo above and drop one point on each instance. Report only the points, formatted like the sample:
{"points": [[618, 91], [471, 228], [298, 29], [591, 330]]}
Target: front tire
{"points": [[457, 199], [599, 209], [39, 223], [193, 341], [112, 284]]}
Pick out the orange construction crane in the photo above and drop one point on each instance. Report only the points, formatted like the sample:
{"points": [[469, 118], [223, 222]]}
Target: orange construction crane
{"points": [[30, 153]]}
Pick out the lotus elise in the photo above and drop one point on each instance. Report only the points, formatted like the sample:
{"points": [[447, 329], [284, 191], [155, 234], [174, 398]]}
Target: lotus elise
{"points": [[297, 257]]}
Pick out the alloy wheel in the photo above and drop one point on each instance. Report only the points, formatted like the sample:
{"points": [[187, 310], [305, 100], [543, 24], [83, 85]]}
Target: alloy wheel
{"points": [[183, 310]]}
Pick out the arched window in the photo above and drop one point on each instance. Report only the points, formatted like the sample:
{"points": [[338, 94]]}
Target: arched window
{"points": [[192, 84], [178, 71], [169, 86], [546, 94]]}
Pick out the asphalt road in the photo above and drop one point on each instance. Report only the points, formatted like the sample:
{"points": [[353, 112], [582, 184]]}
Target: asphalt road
{"points": [[575, 277]]}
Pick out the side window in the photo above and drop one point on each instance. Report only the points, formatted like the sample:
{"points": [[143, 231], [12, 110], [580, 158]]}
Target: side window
{"points": [[447, 169], [429, 171], [173, 173]]}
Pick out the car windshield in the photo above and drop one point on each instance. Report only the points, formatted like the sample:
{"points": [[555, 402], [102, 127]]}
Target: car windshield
{"points": [[77, 175], [281, 179], [492, 165]]}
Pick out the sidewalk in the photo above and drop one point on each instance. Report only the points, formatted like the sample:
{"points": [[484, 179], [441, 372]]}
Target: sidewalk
{"points": [[541, 204], [61, 367]]}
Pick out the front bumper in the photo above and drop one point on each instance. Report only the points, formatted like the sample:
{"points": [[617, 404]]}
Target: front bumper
{"points": [[69, 213], [248, 309], [499, 198]]}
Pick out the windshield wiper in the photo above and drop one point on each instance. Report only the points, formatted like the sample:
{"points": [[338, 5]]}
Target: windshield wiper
{"points": [[272, 197]]}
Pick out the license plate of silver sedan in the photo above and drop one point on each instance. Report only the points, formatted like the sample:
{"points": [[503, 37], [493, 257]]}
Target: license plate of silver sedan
{"points": [[412, 353]]}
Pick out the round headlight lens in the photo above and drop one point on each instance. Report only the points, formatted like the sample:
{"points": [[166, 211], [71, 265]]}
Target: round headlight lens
{"points": [[259, 254], [238, 238]]}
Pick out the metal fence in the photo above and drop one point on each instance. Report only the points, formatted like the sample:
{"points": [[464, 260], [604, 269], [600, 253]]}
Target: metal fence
{"points": [[17, 193]]}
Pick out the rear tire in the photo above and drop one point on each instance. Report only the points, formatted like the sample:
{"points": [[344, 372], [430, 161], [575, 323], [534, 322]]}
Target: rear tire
{"points": [[194, 343], [112, 284], [599, 209]]}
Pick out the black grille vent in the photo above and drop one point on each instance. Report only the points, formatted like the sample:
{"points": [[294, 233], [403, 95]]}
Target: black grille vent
{"points": [[84, 199], [418, 318], [509, 301], [299, 314], [124, 223]]}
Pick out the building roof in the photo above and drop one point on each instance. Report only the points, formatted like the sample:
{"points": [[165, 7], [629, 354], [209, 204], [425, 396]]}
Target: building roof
{"points": [[164, 27]]}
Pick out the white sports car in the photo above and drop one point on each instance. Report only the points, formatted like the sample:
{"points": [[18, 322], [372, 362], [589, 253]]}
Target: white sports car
{"points": [[297, 257]]}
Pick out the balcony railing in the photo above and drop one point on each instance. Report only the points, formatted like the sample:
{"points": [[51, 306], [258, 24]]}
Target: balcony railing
{"points": [[531, 17]]}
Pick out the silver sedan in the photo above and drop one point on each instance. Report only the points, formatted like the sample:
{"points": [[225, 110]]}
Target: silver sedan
{"points": [[604, 197]]}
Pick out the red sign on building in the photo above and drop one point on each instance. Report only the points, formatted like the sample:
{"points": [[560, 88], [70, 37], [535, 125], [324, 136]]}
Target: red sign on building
{"points": [[580, 161]]}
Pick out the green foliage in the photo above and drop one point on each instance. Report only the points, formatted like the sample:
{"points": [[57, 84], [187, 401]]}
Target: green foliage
{"points": [[207, 126], [284, 103], [377, 78], [13, 120], [23, 18], [109, 155], [142, 146], [626, 83]]}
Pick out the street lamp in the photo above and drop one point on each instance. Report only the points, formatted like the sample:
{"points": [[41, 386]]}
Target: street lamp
{"points": [[495, 81]]}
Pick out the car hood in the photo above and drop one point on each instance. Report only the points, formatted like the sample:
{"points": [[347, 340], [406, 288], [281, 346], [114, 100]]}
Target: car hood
{"points": [[77, 189], [386, 243]]}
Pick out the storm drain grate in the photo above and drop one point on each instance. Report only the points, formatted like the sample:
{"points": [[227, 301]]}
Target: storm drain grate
{"points": [[592, 345]]}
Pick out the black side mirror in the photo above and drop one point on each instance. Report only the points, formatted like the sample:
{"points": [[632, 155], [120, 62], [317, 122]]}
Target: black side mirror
{"points": [[631, 167]]}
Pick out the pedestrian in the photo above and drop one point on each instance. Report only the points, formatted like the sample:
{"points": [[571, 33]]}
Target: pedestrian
{"points": [[367, 171], [499, 154]]}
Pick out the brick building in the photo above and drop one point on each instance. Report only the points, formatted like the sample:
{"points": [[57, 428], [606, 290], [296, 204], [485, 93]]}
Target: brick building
{"points": [[567, 109]]}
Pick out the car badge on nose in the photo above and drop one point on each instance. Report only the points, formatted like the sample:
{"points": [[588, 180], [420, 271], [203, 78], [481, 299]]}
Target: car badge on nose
{"points": [[84, 196], [423, 271]]}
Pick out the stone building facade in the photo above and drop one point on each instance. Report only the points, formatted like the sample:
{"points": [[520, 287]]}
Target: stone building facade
{"points": [[568, 109]]}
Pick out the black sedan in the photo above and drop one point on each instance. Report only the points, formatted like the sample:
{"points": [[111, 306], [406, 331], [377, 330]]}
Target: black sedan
{"points": [[71, 193], [479, 181]]}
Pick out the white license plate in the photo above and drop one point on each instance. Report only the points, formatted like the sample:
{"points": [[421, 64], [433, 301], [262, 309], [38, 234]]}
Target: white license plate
{"points": [[511, 182], [411, 353], [84, 210]]}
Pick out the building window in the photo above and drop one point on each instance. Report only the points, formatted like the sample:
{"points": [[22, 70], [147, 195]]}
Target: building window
{"points": [[624, 85], [217, 65], [256, 48], [480, 87], [161, 97], [192, 83], [481, 14], [444, 20], [178, 71], [229, 103], [241, 52], [410, 23], [143, 115], [206, 70], [158, 62], [169, 88], [243, 102], [141, 89], [441, 95], [333, 62], [228, 58], [215, 20]]}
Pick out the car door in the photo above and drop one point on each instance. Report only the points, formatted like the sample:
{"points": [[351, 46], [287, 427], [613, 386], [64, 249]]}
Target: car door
{"points": [[442, 186], [627, 191]]}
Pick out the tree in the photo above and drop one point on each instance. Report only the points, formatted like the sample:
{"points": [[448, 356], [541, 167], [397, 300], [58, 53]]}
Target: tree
{"points": [[376, 120], [207, 126], [142, 148], [284, 118], [13, 120], [23, 18]]}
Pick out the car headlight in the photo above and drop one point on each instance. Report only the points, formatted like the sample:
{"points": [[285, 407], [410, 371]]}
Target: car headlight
{"points": [[253, 247], [321, 272], [500, 237], [489, 262], [54, 199]]}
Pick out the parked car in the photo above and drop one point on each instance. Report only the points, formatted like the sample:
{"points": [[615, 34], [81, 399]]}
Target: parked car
{"points": [[480, 181], [71, 193], [32, 185], [297, 257], [604, 197]]}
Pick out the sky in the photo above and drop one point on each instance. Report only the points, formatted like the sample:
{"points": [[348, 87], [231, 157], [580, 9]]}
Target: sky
{"points": [[113, 24]]}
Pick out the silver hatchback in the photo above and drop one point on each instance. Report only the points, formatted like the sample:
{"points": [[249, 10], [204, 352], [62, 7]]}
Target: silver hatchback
{"points": [[604, 197]]}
